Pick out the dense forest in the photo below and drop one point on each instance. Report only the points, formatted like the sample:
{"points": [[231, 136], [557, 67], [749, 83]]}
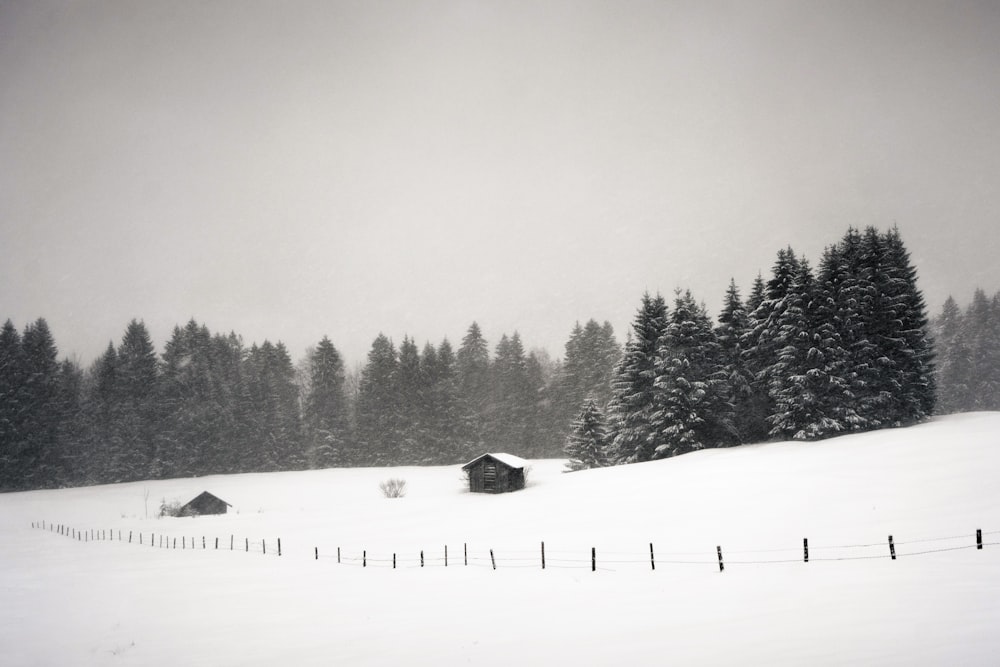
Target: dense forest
{"points": [[209, 404], [811, 354], [807, 355], [968, 354]]}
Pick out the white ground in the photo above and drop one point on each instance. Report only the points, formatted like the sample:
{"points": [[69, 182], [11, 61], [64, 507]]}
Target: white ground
{"points": [[72, 602]]}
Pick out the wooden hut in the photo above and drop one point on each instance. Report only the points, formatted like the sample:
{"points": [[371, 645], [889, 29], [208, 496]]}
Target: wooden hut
{"points": [[495, 473], [204, 503]]}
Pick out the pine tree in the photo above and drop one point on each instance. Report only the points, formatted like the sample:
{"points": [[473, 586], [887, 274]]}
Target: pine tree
{"points": [[437, 409], [13, 406], [197, 422], [137, 391], [588, 367], [410, 394], [909, 341], [325, 420], [982, 326], [734, 325], [37, 458], [472, 363], [103, 405], [955, 363], [285, 435], [758, 343], [892, 357], [588, 439], [810, 395], [72, 425], [632, 403], [378, 405], [690, 410], [510, 400], [443, 404]]}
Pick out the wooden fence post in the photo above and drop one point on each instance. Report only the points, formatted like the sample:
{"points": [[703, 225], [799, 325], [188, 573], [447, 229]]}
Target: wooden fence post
{"points": [[593, 559], [217, 544], [130, 537], [892, 548], [247, 539], [279, 546], [652, 559], [338, 555], [446, 555], [202, 541], [718, 550], [543, 554], [493, 560], [421, 558], [805, 548], [317, 552], [364, 558], [979, 538], [465, 552], [394, 561], [263, 546]]}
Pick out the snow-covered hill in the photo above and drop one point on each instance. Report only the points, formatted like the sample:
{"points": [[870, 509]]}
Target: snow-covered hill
{"points": [[76, 602]]}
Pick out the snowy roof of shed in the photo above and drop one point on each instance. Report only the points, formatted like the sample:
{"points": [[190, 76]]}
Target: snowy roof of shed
{"points": [[506, 459]]}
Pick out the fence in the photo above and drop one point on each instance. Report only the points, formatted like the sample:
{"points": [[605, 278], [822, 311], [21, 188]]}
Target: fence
{"points": [[162, 540], [541, 558]]}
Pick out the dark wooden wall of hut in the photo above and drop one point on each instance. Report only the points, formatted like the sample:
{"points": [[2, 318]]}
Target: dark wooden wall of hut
{"points": [[491, 476]]}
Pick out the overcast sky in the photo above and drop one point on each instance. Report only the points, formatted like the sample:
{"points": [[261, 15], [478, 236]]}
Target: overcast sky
{"points": [[290, 170]]}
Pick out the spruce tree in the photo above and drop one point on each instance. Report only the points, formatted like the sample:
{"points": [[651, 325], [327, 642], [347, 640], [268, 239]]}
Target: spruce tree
{"points": [[810, 394], [511, 399], [983, 334], [410, 393], [733, 327], [955, 368], [632, 402], [690, 409], [587, 442], [472, 363], [443, 404], [13, 407], [137, 386], [325, 419], [37, 455], [909, 339], [378, 405], [758, 343]]}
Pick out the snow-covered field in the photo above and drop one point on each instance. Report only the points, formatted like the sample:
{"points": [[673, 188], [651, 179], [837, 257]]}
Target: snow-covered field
{"points": [[108, 602]]}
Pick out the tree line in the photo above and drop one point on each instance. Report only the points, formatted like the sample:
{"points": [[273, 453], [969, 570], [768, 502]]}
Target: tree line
{"points": [[968, 349], [210, 405], [809, 355]]}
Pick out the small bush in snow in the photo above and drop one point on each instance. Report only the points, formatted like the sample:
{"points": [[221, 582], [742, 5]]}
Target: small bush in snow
{"points": [[393, 488], [172, 508]]}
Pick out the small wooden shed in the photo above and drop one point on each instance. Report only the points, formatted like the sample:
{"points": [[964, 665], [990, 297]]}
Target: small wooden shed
{"points": [[495, 473], [204, 503]]}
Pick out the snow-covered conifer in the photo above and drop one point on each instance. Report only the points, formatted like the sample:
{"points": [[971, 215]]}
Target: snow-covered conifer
{"points": [[586, 446], [632, 401]]}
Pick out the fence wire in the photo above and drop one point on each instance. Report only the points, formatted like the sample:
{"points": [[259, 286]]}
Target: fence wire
{"points": [[543, 556]]}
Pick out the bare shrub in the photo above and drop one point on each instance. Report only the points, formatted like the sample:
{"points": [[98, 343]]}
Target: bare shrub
{"points": [[173, 508], [393, 488]]}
